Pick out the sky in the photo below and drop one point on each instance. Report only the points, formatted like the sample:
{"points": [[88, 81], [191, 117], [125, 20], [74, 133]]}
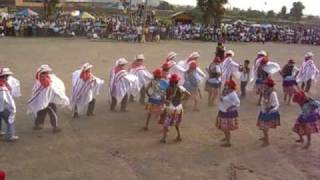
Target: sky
{"points": [[312, 6]]}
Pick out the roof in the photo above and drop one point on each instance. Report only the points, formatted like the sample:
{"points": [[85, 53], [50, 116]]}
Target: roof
{"points": [[182, 15]]}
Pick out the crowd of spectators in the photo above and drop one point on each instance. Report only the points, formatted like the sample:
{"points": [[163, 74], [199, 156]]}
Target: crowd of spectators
{"points": [[119, 28]]}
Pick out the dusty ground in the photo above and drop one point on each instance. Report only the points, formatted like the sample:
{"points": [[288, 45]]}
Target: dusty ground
{"points": [[113, 146]]}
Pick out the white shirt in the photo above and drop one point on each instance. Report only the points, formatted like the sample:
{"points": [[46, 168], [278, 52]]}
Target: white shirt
{"points": [[229, 100], [273, 102]]}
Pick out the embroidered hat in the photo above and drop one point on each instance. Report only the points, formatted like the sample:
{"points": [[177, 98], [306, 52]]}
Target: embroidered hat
{"points": [[230, 53], [44, 68], [121, 61], [2, 175], [86, 66], [262, 53], [309, 54], [194, 55], [171, 56], [5, 72], [140, 57]]}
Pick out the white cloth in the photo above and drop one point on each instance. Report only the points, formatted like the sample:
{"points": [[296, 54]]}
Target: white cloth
{"points": [[183, 66], [7, 103], [42, 97], [144, 76], [122, 83], [255, 69], [15, 86], [229, 100], [229, 67], [83, 92], [272, 102], [308, 71]]}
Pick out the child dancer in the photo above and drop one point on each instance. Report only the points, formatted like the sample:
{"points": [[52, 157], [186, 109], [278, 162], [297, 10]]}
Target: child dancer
{"points": [[269, 116], [175, 94], [156, 93], [213, 83], [227, 119], [9, 88], [308, 122], [308, 72], [192, 83], [289, 73], [245, 77]]}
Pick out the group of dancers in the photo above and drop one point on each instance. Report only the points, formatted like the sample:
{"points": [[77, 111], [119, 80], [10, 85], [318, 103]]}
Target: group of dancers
{"points": [[169, 89]]}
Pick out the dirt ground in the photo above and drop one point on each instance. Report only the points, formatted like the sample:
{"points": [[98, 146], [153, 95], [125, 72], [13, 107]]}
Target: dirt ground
{"points": [[113, 146]]}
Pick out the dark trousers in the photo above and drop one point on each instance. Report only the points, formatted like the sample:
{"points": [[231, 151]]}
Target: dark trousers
{"points": [[51, 110], [90, 111], [243, 88], [142, 96], [306, 86], [123, 103]]}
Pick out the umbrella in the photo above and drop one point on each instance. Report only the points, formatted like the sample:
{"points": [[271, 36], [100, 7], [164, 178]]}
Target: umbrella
{"points": [[86, 15], [27, 12]]}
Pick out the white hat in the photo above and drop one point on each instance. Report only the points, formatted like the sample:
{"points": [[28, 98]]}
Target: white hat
{"points": [[309, 54], [194, 55], [44, 68], [262, 53], [140, 57], [5, 72], [171, 55], [230, 52], [86, 66], [121, 61]]}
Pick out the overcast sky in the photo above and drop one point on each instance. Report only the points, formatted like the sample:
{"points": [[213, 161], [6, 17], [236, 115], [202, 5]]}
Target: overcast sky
{"points": [[312, 6]]}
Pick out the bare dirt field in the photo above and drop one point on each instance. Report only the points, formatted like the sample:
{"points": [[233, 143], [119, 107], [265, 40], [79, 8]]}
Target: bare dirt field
{"points": [[112, 146]]}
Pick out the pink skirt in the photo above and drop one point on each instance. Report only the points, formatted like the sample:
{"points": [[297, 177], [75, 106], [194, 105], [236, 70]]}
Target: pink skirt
{"points": [[227, 124], [307, 128], [289, 90]]}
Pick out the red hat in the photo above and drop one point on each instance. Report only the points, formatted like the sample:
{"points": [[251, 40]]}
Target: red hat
{"points": [[193, 65], [269, 82], [231, 84], [264, 60], [166, 66], [217, 59], [299, 97], [291, 61], [2, 175], [174, 78], [157, 73]]}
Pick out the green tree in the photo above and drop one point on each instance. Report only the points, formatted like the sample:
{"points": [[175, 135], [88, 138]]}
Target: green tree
{"points": [[164, 5], [212, 9], [296, 11], [271, 14], [50, 6], [283, 13]]}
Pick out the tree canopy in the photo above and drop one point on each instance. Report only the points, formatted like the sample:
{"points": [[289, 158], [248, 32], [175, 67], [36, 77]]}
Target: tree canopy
{"points": [[212, 9], [296, 11]]}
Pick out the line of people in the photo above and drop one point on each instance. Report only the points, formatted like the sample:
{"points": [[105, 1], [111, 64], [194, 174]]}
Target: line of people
{"points": [[169, 89]]}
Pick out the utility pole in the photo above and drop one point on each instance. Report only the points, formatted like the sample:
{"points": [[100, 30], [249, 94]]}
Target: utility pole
{"points": [[145, 11]]}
